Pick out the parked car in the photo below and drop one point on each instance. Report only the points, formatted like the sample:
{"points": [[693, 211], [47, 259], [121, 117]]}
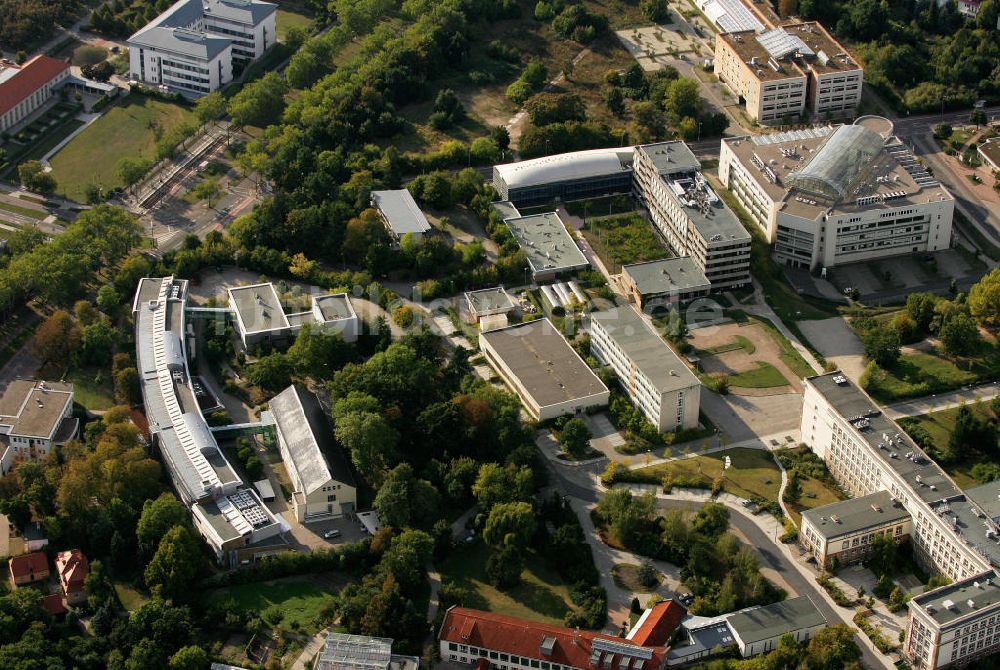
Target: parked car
{"points": [[330, 534]]}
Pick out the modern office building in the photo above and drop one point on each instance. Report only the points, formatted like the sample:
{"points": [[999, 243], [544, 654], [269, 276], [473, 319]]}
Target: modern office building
{"points": [[688, 213], [789, 72], [24, 89], [655, 379], [323, 486], [473, 638], [537, 362], [260, 316], [227, 514], [400, 214], [193, 47], [953, 625], [844, 532], [828, 196], [664, 283], [570, 176], [547, 245], [35, 416]]}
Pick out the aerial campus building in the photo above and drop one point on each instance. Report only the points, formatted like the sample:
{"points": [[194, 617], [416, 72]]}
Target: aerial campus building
{"points": [[665, 178], [400, 214], [663, 283], [361, 652], [193, 46], [827, 196], [35, 416], [260, 316], [954, 533], [547, 245], [658, 382], [537, 362], [227, 514], [844, 532], [788, 72]]}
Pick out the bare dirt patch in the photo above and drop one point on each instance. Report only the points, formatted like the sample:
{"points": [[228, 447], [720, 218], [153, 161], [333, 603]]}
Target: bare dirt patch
{"points": [[736, 361]]}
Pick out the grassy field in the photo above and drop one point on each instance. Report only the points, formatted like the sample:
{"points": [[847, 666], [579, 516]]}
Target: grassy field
{"points": [[540, 597], [923, 373], [81, 54], [738, 342], [620, 240], [753, 472], [297, 602], [129, 128], [24, 211], [790, 356], [765, 376], [130, 597], [92, 388], [290, 18], [814, 494], [940, 425]]}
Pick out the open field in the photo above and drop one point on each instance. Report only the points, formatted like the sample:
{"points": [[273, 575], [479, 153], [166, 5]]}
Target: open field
{"points": [[291, 17], [540, 597], [940, 425], [297, 602], [130, 128], [130, 597], [92, 388], [764, 376], [921, 373], [753, 472]]}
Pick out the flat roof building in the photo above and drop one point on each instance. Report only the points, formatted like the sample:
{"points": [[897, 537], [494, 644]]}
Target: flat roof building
{"points": [[260, 315], [731, 15], [488, 302], [547, 245], [664, 283], [758, 629], [361, 652], [568, 176], [400, 213], [34, 417], [835, 195], [538, 363], [689, 214], [845, 531], [954, 624], [231, 518], [656, 380], [321, 477]]}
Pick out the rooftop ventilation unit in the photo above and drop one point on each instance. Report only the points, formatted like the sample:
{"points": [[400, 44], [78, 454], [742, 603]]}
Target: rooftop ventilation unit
{"points": [[949, 605]]}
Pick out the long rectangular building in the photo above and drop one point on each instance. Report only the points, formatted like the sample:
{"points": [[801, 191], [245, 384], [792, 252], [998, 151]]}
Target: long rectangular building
{"points": [[568, 176], [540, 366], [228, 515], [654, 377], [844, 532]]}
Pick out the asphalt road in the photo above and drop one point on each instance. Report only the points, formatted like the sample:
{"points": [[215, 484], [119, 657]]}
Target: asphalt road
{"points": [[770, 555]]}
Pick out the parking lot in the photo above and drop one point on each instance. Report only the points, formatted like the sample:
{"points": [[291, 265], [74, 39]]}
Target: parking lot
{"points": [[310, 536]]}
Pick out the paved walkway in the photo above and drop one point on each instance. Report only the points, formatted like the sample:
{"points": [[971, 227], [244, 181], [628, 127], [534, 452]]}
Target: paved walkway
{"points": [[313, 647], [761, 309], [942, 401]]}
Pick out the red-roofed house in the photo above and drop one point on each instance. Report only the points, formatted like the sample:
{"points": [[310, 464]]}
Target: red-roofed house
{"points": [[28, 568], [53, 604], [508, 643], [657, 624], [72, 568], [26, 88]]}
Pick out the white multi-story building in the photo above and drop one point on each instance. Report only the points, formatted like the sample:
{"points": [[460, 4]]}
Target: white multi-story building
{"points": [[690, 215], [34, 417], [261, 317], [844, 532], [955, 624], [659, 384], [789, 71], [828, 196], [26, 88], [196, 46]]}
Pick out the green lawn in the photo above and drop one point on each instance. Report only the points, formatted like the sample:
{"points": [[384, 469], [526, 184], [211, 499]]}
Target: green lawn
{"points": [[130, 597], [790, 356], [288, 18], [92, 388], [814, 494], [298, 602], [753, 472], [765, 376], [620, 240], [23, 211], [738, 342], [541, 596], [129, 128], [923, 373], [940, 425]]}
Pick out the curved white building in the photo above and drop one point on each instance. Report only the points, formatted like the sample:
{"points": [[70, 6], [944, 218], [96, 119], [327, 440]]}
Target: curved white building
{"points": [[569, 176]]}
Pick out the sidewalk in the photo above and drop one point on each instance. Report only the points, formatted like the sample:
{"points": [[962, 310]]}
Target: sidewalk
{"points": [[939, 402]]}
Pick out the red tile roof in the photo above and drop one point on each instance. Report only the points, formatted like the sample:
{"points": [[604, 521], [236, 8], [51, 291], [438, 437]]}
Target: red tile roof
{"points": [[656, 628], [520, 637], [53, 604], [32, 76], [26, 564], [73, 568]]}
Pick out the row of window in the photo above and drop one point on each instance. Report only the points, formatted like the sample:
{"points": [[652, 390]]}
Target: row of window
{"points": [[522, 661]]}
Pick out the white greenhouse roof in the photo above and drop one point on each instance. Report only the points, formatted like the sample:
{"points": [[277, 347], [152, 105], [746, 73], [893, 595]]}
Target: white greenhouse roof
{"points": [[565, 167]]}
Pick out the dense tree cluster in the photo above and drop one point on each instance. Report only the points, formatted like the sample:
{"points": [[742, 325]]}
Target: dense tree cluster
{"points": [[25, 23], [831, 647]]}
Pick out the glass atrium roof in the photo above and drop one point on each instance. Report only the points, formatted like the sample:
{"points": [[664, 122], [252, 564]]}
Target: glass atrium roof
{"points": [[839, 162]]}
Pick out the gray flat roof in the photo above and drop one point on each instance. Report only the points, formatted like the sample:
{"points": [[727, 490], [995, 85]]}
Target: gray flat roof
{"points": [[670, 157], [770, 621], [506, 209], [303, 427], [181, 40], [334, 306], [951, 602], [667, 275], [647, 350], [258, 307], [247, 12], [702, 640], [873, 426], [545, 365], [856, 514], [711, 217], [489, 300], [170, 30], [401, 211], [546, 243], [987, 496], [34, 408]]}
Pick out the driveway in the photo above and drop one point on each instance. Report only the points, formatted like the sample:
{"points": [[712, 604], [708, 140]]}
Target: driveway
{"points": [[837, 341]]}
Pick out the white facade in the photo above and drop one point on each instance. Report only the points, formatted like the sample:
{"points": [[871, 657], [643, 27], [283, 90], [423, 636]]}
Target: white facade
{"points": [[45, 75], [36, 425], [955, 624], [176, 70]]}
